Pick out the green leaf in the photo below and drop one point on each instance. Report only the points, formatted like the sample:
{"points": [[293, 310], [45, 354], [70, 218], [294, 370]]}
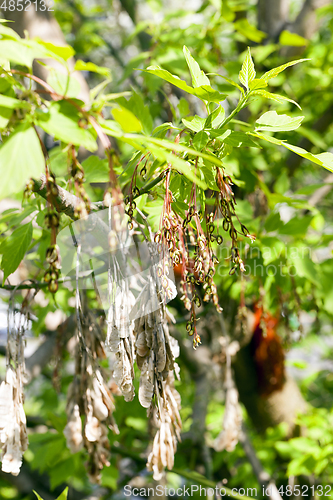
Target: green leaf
{"points": [[63, 495], [323, 159], [182, 166], [138, 107], [200, 140], [99, 88], [275, 71], [303, 465], [215, 118], [257, 83], [92, 68], [21, 52], [65, 85], [38, 496], [195, 123], [21, 157], [12, 103], [181, 148], [62, 121], [292, 39], [64, 52], [275, 97], [296, 226], [240, 139], [61, 472], [198, 76], [127, 120], [234, 84], [13, 249], [6, 32], [6, 90], [161, 130], [96, 169], [249, 30], [247, 73], [204, 92], [273, 122], [110, 474]]}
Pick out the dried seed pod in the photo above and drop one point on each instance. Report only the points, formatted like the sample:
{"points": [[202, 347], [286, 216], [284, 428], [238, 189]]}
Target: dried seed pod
{"points": [[166, 222], [52, 254], [225, 225], [168, 234], [215, 259], [197, 301], [211, 272], [233, 233], [232, 270], [143, 172], [244, 229]]}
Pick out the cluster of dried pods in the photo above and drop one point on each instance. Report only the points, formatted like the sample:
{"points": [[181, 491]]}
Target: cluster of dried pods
{"points": [[13, 430], [138, 331], [189, 242], [90, 400]]}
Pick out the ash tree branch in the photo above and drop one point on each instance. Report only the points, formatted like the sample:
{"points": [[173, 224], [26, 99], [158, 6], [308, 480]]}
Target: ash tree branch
{"points": [[64, 202]]}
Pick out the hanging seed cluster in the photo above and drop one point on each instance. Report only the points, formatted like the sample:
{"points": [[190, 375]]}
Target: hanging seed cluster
{"points": [[167, 421], [90, 403], [52, 222], [13, 428], [148, 342], [189, 242], [226, 202], [82, 208]]}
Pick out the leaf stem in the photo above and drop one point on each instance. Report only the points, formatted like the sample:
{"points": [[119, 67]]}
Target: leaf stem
{"points": [[239, 106]]}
